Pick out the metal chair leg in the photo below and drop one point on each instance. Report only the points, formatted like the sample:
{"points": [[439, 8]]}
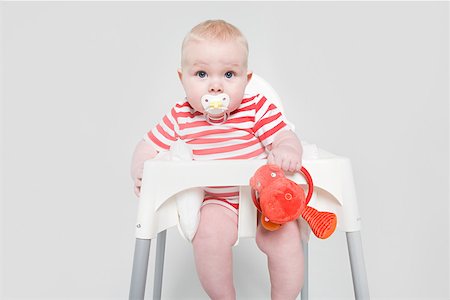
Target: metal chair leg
{"points": [[359, 276], [140, 267], [159, 264], [305, 291]]}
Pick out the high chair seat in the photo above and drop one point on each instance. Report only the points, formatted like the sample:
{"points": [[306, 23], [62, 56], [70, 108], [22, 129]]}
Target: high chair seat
{"points": [[334, 191]]}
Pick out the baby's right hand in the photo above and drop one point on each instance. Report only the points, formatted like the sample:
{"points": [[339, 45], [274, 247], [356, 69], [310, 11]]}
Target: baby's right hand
{"points": [[144, 151]]}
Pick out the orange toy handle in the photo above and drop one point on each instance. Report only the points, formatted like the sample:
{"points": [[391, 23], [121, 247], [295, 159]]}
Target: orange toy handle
{"points": [[309, 181], [322, 223]]}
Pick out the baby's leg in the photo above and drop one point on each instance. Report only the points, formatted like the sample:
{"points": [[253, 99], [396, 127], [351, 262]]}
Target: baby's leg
{"points": [[285, 259], [216, 234]]}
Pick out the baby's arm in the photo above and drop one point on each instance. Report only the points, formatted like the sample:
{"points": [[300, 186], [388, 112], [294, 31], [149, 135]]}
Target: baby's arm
{"points": [[144, 151], [286, 151]]}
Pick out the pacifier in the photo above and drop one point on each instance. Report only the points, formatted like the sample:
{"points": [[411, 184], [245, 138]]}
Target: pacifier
{"points": [[216, 108]]}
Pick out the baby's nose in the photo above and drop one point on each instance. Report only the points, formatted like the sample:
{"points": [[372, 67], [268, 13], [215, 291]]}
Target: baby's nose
{"points": [[215, 88]]}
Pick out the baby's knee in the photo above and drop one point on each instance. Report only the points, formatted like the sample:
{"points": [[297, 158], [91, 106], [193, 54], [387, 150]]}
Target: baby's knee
{"points": [[287, 238]]}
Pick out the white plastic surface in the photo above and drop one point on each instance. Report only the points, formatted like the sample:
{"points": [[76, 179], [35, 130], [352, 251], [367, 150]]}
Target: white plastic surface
{"points": [[332, 176], [257, 85]]}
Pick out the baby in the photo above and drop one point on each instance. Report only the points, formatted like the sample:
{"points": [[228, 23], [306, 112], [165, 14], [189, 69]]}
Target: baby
{"points": [[219, 123]]}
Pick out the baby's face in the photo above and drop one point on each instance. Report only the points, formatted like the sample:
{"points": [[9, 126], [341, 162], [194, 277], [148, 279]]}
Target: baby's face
{"points": [[214, 67]]}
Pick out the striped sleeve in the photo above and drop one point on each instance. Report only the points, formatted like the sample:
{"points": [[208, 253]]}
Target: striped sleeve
{"points": [[268, 120], [164, 134]]}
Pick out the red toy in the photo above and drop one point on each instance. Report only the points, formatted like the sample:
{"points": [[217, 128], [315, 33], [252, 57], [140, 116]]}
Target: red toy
{"points": [[282, 200]]}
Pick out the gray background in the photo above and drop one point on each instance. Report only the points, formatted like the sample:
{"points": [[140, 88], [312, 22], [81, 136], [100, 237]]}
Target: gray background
{"points": [[82, 82]]}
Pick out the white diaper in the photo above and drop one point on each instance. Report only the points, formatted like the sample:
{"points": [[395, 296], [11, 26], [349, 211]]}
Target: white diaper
{"points": [[188, 201]]}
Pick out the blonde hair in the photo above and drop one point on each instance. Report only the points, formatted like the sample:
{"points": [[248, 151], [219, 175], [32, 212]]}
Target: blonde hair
{"points": [[214, 30]]}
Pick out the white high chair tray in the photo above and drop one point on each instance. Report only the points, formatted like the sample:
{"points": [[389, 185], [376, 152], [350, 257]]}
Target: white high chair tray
{"points": [[334, 189]]}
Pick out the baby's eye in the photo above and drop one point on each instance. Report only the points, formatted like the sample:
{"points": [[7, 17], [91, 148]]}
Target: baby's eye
{"points": [[229, 74], [201, 74]]}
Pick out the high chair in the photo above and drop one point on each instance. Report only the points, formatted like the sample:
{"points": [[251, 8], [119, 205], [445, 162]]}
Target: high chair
{"points": [[334, 191]]}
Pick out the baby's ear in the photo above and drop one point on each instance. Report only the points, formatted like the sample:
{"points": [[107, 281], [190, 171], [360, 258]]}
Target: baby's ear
{"points": [[180, 74], [249, 76]]}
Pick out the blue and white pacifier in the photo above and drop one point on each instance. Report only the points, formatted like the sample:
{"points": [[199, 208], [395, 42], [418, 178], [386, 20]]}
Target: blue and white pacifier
{"points": [[216, 108]]}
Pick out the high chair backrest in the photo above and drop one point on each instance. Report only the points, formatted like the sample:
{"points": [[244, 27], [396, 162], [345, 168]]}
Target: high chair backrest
{"points": [[257, 85]]}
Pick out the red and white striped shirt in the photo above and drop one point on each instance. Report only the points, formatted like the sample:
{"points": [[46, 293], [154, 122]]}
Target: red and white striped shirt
{"points": [[245, 135]]}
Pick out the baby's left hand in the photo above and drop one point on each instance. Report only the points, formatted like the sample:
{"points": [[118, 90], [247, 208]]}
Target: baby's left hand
{"points": [[288, 158]]}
